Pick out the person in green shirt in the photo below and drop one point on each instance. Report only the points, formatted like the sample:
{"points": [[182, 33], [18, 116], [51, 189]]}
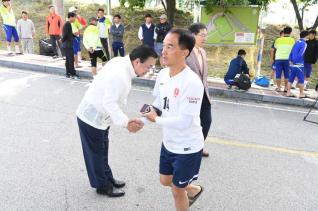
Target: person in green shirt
{"points": [[9, 26], [92, 43]]}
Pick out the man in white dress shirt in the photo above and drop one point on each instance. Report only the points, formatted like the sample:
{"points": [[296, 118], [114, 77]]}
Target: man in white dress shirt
{"points": [[101, 106]]}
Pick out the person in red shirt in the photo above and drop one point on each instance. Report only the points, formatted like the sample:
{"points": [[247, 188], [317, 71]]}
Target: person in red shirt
{"points": [[53, 27]]}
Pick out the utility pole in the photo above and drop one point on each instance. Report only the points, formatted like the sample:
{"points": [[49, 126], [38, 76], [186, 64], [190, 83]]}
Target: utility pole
{"points": [[59, 6], [109, 7]]}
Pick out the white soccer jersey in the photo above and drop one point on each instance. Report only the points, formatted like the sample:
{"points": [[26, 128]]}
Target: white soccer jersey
{"points": [[180, 97]]}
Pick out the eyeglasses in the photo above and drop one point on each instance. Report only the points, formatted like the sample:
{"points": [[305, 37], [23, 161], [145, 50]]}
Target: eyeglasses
{"points": [[203, 35]]}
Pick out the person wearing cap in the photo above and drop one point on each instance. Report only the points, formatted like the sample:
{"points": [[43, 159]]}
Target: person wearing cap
{"points": [[104, 24], [67, 43], [162, 30], [117, 32], [146, 33], [53, 28], [77, 26], [26, 32], [9, 26], [93, 44]]}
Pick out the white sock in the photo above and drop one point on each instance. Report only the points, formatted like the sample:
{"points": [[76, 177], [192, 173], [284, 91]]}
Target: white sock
{"points": [[17, 49], [305, 84], [294, 84], [8, 48]]}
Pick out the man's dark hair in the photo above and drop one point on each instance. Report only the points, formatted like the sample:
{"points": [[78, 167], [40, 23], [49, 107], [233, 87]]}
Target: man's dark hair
{"points": [[287, 30], [71, 15], [313, 31], [186, 39], [241, 52], [142, 52], [92, 19], [148, 16], [101, 9], [303, 34], [196, 28], [24, 12], [50, 6], [281, 32], [117, 16]]}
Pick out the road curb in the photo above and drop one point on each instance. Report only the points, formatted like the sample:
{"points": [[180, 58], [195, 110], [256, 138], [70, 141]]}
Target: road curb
{"points": [[214, 91]]}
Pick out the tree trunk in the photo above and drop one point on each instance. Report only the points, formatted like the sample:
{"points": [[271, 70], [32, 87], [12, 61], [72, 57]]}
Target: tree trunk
{"points": [[171, 10], [59, 6], [300, 22], [315, 24]]}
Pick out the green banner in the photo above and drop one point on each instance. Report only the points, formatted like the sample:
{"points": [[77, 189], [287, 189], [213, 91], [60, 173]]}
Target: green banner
{"points": [[232, 25]]}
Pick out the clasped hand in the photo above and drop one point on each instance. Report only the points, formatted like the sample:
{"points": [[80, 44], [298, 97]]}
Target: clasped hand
{"points": [[134, 125]]}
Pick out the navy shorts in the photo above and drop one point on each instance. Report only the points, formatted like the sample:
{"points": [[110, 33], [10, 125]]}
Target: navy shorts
{"points": [[282, 66], [298, 72], [308, 70], [11, 31], [76, 45], [183, 167]]}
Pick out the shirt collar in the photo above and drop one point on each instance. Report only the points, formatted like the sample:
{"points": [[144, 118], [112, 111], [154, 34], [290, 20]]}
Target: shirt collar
{"points": [[130, 67]]}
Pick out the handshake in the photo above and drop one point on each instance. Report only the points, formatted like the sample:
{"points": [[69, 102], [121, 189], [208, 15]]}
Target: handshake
{"points": [[134, 125]]}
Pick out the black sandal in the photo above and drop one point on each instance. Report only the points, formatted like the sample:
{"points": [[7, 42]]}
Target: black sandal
{"points": [[194, 198]]}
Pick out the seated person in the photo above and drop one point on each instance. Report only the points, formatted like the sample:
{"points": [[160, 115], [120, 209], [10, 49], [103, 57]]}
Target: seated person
{"points": [[237, 66]]}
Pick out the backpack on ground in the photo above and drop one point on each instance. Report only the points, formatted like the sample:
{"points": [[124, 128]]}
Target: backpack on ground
{"points": [[242, 81]]}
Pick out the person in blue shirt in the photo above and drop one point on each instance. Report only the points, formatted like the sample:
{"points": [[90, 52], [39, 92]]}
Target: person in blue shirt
{"points": [[237, 66], [297, 60]]}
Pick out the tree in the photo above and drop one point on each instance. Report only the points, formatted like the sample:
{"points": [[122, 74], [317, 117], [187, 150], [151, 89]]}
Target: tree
{"points": [[170, 8], [301, 6], [133, 3]]}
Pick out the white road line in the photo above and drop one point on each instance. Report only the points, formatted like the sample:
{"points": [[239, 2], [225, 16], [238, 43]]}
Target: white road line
{"points": [[248, 105], [149, 91]]}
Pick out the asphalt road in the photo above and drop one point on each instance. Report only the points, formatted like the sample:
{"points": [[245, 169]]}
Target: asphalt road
{"points": [[263, 157]]}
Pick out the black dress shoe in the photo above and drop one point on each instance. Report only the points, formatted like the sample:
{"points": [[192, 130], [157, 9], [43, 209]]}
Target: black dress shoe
{"points": [[118, 184], [111, 192]]}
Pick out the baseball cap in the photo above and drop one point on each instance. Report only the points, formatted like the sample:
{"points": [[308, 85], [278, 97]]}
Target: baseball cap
{"points": [[163, 16], [72, 9]]}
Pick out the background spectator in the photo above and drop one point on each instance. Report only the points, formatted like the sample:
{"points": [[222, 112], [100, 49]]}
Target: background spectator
{"points": [[147, 33], [26, 32], [104, 24], [117, 31], [53, 28], [162, 30]]}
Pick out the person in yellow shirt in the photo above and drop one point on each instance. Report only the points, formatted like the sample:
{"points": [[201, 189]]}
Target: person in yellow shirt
{"points": [[9, 26], [93, 44]]}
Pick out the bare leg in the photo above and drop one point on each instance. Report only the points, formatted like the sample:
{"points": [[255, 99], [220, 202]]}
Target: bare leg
{"points": [[286, 84], [301, 90], [94, 71], [180, 198], [278, 83]]}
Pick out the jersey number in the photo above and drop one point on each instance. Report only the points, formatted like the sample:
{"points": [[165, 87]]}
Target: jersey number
{"points": [[166, 103]]}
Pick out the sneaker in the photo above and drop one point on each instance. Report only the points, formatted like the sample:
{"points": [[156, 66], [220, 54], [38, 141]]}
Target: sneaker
{"points": [[271, 82], [68, 75], [76, 77], [55, 57]]}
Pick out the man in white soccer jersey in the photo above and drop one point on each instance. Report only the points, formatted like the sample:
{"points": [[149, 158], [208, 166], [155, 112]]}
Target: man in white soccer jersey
{"points": [[179, 92]]}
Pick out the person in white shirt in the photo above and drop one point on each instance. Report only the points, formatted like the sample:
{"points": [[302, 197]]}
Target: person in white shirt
{"points": [[101, 106], [26, 31], [147, 33], [178, 94]]}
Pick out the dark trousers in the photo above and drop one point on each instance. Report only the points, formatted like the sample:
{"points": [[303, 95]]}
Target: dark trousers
{"points": [[105, 46], [56, 39], [69, 61], [118, 47], [95, 150], [96, 54], [205, 115]]}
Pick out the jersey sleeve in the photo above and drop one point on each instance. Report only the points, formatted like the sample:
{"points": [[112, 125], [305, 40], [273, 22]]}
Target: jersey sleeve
{"points": [[191, 99]]}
